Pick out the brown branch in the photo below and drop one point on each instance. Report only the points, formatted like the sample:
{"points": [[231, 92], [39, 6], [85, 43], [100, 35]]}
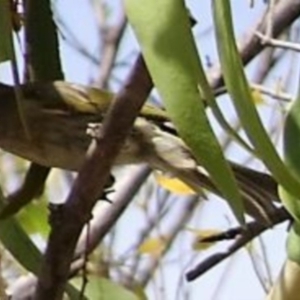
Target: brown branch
{"points": [[31, 188], [243, 236], [90, 181], [276, 43], [101, 224], [267, 60], [285, 12]]}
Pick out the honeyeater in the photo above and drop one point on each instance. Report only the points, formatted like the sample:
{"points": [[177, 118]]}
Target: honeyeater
{"points": [[62, 119]]}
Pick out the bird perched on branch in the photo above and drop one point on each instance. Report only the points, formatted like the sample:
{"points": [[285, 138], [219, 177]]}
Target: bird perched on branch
{"points": [[63, 118]]}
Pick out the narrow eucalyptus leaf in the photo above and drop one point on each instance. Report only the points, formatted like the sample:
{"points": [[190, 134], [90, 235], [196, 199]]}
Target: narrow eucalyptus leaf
{"points": [[163, 30], [240, 93]]}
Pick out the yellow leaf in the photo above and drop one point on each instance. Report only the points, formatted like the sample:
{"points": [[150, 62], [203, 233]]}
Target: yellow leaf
{"points": [[200, 234], [153, 246], [173, 184], [139, 291], [257, 97]]}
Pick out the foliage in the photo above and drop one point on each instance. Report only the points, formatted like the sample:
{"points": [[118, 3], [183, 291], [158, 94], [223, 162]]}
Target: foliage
{"points": [[151, 230]]}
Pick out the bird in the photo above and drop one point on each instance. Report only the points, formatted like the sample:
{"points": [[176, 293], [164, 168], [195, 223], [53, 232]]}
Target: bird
{"points": [[63, 119]]}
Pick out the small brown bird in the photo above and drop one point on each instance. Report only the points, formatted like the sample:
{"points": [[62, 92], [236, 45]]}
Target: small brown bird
{"points": [[62, 119]]}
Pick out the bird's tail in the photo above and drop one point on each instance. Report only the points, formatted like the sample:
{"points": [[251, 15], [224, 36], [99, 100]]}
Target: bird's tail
{"points": [[169, 154], [258, 190]]}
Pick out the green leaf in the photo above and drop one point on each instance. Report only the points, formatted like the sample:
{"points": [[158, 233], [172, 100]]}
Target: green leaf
{"points": [[291, 145], [6, 52], [206, 94], [163, 30], [20, 246], [34, 217], [239, 90], [293, 243], [104, 289], [16, 241]]}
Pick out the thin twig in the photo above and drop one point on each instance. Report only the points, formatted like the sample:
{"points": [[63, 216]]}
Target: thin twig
{"points": [[284, 14], [243, 236], [269, 27], [272, 92], [264, 90], [111, 38], [103, 221], [188, 209], [278, 43]]}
